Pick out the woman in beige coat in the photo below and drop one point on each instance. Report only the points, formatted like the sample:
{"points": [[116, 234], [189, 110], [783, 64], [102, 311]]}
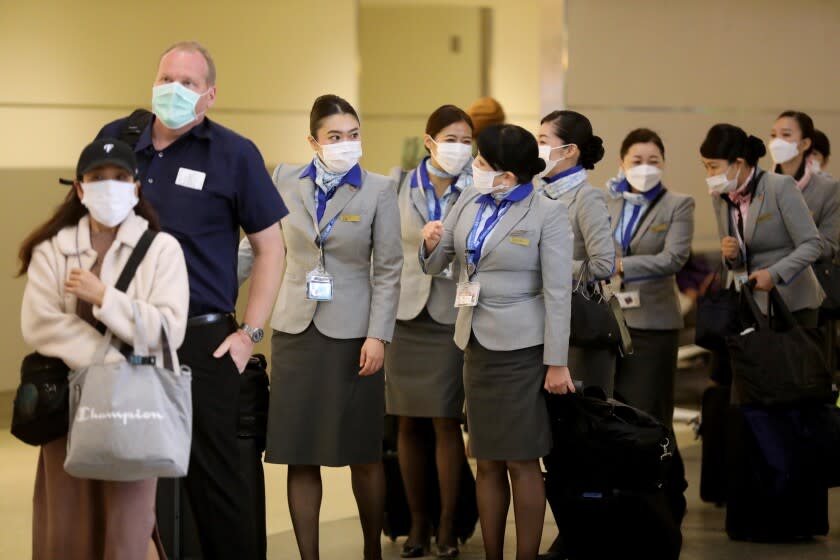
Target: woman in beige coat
{"points": [[72, 263]]}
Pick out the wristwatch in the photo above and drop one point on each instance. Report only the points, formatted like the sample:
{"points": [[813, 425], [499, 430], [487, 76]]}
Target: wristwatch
{"points": [[255, 335]]}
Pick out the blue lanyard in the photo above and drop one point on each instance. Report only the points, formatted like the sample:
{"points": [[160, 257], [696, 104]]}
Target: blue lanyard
{"points": [[321, 206], [627, 232], [475, 240], [432, 200]]}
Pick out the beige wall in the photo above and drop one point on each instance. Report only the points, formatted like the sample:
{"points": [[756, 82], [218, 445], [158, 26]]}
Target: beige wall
{"points": [[512, 74], [69, 67], [680, 67]]}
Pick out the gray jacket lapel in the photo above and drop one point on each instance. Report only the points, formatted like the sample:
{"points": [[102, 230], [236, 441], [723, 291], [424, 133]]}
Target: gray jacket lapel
{"points": [[337, 203], [645, 223], [418, 197], [755, 211], [308, 195], [616, 207], [512, 217]]}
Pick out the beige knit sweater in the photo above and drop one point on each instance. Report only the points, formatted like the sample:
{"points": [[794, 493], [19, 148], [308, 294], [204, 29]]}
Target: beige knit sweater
{"points": [[160, 289]]}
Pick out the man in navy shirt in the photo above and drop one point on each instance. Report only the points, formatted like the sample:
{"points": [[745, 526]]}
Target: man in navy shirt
{"points": [[206, 182]]}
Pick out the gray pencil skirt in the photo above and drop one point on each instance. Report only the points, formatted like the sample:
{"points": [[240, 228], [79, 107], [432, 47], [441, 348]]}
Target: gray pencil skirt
{"points": [[424, 370], [506, 408], [321, 412]]}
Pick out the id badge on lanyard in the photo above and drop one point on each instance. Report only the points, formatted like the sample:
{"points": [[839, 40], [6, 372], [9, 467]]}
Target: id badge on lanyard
{"points": [[319, 282]]}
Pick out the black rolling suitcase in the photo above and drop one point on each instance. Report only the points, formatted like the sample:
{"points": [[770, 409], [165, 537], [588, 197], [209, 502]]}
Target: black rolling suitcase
{"points": [[397, 515], [773, 494], [176, 523], [611, 480], [713, 465]]}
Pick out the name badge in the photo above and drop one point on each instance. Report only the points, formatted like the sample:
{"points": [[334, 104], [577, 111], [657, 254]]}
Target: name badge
{"points": [[523, 241], [467, 294], [319, 285], [629, 300], [190, 178], [351, 218], [659, 228], [447, 272]]}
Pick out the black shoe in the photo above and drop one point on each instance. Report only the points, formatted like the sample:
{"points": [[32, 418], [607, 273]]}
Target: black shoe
{"points": [[413, 551]]}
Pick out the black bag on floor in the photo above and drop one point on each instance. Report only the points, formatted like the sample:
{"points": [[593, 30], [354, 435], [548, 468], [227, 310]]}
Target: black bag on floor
{"points": [[176, 522], [779, 363], [610, 481], [773, 495], [397, 515], [713, 473]]}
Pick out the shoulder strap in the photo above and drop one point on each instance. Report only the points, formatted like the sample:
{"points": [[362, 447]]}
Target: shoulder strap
{"points": [[134, 126], [130, 267]]}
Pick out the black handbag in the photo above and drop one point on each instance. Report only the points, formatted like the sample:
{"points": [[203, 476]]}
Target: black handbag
{"points": [[777, 362], [41, 409], [597, 319], [40, 412], [828, 274], [717, 315]]}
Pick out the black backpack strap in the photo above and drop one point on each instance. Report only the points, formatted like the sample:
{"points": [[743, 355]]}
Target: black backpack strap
{"points": [[130, 267], [134, 126]]}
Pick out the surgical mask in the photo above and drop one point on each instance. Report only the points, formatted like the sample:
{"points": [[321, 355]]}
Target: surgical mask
{"points": [[483, 180], [174, 104], [452, 156], [720, 183], [545, 155], [341, 156], [643, 177], [816, 168], [109, 201], [782, 151]]}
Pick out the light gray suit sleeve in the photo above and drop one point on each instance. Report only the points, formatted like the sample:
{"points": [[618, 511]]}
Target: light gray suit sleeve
{"points": [[675, 252], [829, 226], [555, 263], [594, 223], [802, 230], [245, 260], [386, 266], [442, 255]]}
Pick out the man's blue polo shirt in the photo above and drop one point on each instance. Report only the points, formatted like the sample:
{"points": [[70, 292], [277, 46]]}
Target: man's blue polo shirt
{"points": [[205, 212]]}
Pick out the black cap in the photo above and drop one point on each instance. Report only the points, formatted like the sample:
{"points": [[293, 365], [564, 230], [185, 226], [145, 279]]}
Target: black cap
{"points": [[106, 151]]}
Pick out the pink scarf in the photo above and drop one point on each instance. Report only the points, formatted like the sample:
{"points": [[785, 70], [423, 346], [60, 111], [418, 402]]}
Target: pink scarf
{"points": [[806, 177], [742, 197]]}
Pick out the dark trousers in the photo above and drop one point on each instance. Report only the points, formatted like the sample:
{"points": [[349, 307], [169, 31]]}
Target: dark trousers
{"points": [[217, 490]]}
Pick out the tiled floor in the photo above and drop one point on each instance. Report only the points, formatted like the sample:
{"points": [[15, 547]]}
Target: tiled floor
{"points": [[341, 537]]}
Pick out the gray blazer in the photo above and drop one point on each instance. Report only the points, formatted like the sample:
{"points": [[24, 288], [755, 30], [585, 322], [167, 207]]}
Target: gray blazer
{"points": [[363, 254], [822, 195], [591, 228], [658, 250], [780, 236], [421, 290], [525, 274]]}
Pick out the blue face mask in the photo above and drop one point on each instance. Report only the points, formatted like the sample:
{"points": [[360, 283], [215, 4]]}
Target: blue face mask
{"points": [[175, 104]]}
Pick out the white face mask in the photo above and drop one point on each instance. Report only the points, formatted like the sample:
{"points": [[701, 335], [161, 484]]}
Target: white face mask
{"points": [[545, 155], [782, 151], [483, 180], [341, 156], [816, 168], [720, 184], [110, 201], [643, 177], [452, 156]]}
